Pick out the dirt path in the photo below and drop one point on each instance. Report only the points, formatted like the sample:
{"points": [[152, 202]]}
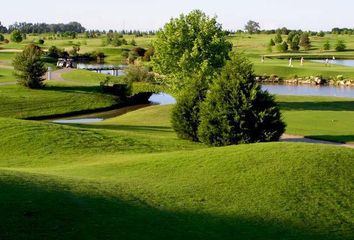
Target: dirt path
{"points": [[295, 138], [56, 75]]}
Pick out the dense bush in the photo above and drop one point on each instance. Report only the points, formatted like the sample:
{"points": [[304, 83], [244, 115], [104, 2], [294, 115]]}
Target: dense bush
{"points": [[16, 36], [138, 73], [326, 46], [340, 46], [41, 41], [149, 54], [185, 113], [305, 41], [283, 47], [237, 111], [2, 38], [278, 39]]}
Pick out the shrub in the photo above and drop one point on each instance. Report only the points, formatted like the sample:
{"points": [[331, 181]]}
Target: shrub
{"points": [[271, 42], [41, 41], [237, 111], [340, 46], [139, 51], [29, 68], [149, 54], [185, 113], [138, 73], [305, 41], [282, 47], [278, 39], [2, 38], [16, 36], [327, 46], [6, 41]]}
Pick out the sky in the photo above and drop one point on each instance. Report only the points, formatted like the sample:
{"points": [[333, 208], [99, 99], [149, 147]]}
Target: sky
{"points": [[152, 14]]}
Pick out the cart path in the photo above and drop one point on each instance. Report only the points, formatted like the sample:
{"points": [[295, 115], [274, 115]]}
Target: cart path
{"points": [[296, 138]]}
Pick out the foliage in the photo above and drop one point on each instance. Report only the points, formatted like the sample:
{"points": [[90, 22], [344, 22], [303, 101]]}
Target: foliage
{"points": [[185, 114], [41, 41], [237, 111], [138, 73], [2, 38], [271, 42], [193, 43], [340, 46], [29, 67], [283, 47], [149, 54], [252, 27], [278, 38], [326, 45], [295, 43], [16, 36], [305, 41]]}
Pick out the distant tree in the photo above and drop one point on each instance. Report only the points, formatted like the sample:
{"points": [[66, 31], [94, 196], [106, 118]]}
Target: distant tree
{"points": [[133, 42], [295, 43], [29, 68], [321, 34], [193, 43], [271, 42], [252, 27], [278, 39], [326, 45], [2, 38], [139, 51], [291, 36], [236, 110], [340, 46], [305, 41], [283, 47], [16, 36], [3, 29]]}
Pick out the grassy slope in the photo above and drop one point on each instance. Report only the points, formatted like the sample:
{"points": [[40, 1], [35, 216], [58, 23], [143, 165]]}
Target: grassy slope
{"points": [[327, 118], [6, 75], [19, 102], [132, 179]]}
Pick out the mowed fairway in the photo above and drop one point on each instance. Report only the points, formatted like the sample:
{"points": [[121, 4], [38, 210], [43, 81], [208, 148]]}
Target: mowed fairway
{"points": [[130, 177]]}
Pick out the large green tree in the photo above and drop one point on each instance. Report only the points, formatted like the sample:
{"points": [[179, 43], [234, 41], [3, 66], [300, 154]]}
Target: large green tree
{"points": [[190, 44], [29, 68], [252, 27], [236, 110]]}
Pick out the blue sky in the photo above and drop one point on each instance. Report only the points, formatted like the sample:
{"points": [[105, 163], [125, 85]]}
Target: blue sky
{"points": [[152, 14]]}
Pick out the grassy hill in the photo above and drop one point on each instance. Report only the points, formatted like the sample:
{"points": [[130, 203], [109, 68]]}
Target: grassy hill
{"points": [[132, 178]]}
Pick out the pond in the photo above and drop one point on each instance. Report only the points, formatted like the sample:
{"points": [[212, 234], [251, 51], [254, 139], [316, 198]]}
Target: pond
{"points": [[347, 63], [106, 69], [159, 98], [309, 90]]}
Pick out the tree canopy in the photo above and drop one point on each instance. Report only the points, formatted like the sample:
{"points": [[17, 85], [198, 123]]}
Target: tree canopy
{"points": [[193, 43], [252, 27], [29, 69]]}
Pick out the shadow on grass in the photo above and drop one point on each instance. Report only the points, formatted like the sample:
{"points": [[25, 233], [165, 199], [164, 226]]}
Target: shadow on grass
{"points": [[42, 208], [318, 106], [334, 138], [132, 128], [89, 89]]}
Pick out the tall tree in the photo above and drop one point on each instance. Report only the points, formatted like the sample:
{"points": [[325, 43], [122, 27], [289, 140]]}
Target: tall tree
{"points": [[305, 41], [29, 68], [190, 44], [252, 27]]}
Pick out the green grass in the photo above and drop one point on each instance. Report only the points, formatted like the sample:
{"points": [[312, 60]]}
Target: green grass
{"points": [[19, 102], [326, 118], [6, 75], [131, 178]]}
